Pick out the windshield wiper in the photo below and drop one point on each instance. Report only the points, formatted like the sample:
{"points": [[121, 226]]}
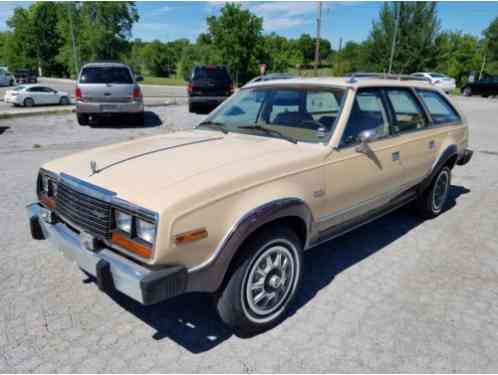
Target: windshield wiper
{"points": [[214, 125], [269, 131]]}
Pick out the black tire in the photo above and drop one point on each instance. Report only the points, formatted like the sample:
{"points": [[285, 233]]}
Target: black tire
{"points": [[467, 91], [192, 108], [139, 118], [28, 102], [433, 200], [64, 100], [83, 119], [239, 310], [12, 82]]}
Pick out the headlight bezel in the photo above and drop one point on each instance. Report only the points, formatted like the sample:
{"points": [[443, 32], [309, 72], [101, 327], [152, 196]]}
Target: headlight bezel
{"points": [[130, 241], [46, 187]]}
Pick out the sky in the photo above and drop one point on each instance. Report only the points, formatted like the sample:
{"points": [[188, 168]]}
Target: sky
{"points": [[348, 20]]}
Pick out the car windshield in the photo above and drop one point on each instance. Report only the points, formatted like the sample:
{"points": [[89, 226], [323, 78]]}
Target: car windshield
{"points": [[106, 75], [216, 73], [438, 75], [302, 114], [19, 88]]}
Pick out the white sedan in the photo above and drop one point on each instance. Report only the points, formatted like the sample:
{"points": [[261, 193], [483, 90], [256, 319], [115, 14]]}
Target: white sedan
{"points": [[30, 95], [442, 81]]}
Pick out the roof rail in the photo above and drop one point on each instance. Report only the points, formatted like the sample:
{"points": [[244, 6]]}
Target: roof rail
{"points": [[399, 77]]}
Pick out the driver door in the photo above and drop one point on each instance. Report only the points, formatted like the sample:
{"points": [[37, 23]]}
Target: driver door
{"points": [[359, 182]]}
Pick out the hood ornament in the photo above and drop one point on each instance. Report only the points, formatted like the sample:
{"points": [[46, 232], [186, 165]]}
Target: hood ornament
{"points": [[93, 166]]}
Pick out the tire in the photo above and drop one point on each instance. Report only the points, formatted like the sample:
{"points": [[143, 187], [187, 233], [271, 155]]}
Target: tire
{"points": [[139, 118], [192, 108], [11, 83], [467, 91], [433, 200], [28, 102], [83, 119], [64, 101], [236, 302]]}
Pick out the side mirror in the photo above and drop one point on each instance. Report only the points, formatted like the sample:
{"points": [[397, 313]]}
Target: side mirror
{"points": [[366, 137], [139, 78]]}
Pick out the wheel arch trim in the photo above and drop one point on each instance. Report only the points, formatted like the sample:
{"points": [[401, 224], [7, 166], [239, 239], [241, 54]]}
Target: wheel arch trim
{"points": [[449, 152], [209, 275]]}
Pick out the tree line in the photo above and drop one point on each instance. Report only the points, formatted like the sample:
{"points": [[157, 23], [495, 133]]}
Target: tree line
{"points": [[55, 38]]}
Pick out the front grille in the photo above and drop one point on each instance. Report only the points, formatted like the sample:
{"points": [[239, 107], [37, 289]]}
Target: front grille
{"points": [[87, 213]]}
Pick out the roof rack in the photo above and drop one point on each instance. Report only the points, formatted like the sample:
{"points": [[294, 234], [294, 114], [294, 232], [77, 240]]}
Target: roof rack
{"points": [[351, 78]]}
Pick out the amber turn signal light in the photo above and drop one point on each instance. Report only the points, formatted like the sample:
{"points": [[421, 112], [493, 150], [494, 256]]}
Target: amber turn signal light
{"points": [[193, 235], [130, 245], [48, 202]]}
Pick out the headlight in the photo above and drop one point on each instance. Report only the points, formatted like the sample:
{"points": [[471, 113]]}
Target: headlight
{"points": [[145, 231], [123, 221], [45, 184]]}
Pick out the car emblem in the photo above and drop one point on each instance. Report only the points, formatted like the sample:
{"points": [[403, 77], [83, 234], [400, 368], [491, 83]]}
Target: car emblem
{"points": [[93, 166]]}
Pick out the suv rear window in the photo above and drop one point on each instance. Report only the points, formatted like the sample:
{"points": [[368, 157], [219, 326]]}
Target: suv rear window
{"points": [[106, 75], [216, 73]]}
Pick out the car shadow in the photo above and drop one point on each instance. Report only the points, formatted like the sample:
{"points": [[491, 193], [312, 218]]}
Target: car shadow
{"points": [[3, 129], [191, 321], [151, 119]]}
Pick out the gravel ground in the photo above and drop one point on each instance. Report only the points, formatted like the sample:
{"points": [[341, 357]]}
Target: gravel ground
{"points": [[399, 294]]}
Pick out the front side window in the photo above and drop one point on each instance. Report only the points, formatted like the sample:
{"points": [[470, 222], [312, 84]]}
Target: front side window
{"points": [[408, 114], [368, 113], [307, 115], [439, 108]]}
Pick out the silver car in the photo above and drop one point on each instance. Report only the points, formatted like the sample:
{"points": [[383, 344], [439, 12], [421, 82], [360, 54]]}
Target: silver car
{"points": [[6, 79], [107, 89]]}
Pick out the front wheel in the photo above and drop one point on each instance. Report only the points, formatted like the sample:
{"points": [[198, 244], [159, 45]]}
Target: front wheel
{"points": [[263, 281], [28, 102], [431, 203]]}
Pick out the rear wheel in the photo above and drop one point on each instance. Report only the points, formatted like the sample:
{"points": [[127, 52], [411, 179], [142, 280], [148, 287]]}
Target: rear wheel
{"points": [[64, 100], [192, 108], [431, 203], [28, 102], [83, 119], [262, 282]]}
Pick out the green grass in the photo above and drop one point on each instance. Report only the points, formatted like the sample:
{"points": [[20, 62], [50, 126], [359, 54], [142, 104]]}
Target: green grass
{"points": [[169, 81]]}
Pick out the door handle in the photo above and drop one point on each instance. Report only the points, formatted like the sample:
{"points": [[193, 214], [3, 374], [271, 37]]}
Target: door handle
{"points": [[396, 156]]}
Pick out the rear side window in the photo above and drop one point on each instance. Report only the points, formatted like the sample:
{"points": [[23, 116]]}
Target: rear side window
{"points": [[119, 75], [408, 114], [441, 111], [216, 73]]}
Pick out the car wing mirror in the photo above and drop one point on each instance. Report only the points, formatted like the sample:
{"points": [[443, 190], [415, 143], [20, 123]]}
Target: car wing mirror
{"points": [[365, 138]]}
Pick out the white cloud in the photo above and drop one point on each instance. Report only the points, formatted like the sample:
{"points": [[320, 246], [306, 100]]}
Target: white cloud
{"points": [[283, 15]]}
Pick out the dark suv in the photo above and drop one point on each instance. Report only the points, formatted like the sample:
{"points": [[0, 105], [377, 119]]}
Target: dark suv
{"points": [[25, 76], [209, 85], [485, 86]]}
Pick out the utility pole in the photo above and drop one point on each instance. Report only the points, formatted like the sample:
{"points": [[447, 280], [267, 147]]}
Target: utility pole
{"points": [[393, 45], [76, 67], [317, 45]]}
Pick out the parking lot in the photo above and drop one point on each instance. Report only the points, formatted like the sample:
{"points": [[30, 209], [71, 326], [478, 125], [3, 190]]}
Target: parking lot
{"points": [[399, 294]]}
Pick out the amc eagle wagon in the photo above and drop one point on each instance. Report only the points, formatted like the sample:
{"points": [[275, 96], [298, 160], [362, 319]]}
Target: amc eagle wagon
{"points": [[229, 207]]}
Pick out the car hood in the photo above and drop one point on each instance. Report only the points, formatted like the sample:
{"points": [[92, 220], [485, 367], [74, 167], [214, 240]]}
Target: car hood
{"points": [[144, 170]]}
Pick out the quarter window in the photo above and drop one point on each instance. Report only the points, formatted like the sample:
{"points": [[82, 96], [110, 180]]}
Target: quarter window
{"points": [[368, 113], [408, 115], [439, 108]]}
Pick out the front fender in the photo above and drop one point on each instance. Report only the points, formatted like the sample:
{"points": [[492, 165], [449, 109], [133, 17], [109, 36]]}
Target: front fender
{"points": [[209, 275]]}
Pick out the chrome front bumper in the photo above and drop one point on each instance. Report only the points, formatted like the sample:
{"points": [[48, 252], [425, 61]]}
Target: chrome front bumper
{"points": [[109, 108], [111, 270]]}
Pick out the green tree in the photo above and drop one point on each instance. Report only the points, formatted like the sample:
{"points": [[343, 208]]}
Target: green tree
{"points": [[491, 47], [20, 46], [417, 32], [237, 34], [280, 53]]}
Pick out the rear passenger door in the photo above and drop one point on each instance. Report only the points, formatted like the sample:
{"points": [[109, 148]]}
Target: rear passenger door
{"points": [[416, 143]]}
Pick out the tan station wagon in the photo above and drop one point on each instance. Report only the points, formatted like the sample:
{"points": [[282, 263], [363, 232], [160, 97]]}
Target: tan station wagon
{"points": [[229, 207]]}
